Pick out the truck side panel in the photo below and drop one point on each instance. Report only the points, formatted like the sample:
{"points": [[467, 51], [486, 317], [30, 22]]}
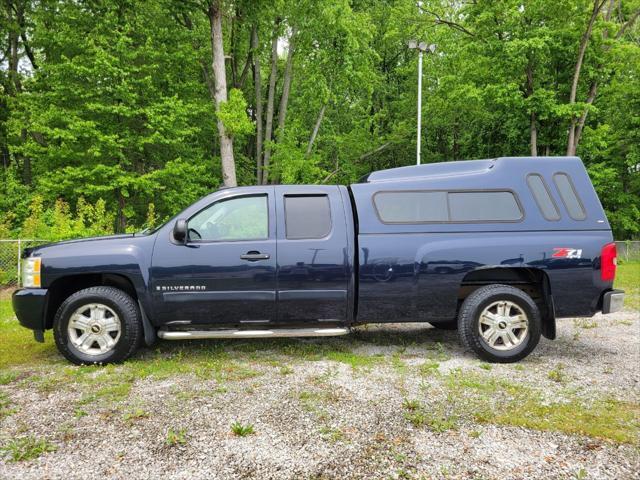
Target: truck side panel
{"points": [[417, 277]]}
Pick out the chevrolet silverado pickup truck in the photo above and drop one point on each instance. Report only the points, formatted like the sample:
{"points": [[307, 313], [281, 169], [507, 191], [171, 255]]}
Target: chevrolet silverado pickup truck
{"points": [[497, 249]]}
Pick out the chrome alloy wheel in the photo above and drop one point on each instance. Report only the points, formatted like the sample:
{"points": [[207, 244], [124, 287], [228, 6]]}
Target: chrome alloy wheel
{"points": [[503, 325], [94, 329]]}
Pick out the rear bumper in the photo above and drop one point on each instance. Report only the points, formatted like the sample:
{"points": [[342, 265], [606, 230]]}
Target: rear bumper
{"points": [[29, 306], [612, 301]]}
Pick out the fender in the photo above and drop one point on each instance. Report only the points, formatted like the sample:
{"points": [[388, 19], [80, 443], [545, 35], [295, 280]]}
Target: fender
{"points": [[127, 256]]}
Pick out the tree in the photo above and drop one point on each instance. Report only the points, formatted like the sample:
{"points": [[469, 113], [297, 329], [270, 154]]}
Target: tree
{"points": [[220, 96], [158, 102]]}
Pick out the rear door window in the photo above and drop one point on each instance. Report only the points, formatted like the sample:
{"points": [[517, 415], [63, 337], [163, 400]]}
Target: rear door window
{"points": [[307, 216], [541, 195], [569, 196]]}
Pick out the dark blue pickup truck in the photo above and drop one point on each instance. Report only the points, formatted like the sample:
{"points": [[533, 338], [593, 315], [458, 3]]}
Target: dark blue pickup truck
{"points": [[497, 249]]}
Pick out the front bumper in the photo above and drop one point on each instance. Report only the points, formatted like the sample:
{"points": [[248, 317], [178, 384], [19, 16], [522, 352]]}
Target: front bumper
{"points": [[612, 301], [29, 305]]}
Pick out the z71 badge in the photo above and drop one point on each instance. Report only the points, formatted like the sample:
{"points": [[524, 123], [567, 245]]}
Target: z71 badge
{"points": [[567, 253]]}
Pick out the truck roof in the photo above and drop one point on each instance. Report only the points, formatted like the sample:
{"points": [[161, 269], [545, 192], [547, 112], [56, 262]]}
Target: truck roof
{"points": [[459, 168], [562, 185]]}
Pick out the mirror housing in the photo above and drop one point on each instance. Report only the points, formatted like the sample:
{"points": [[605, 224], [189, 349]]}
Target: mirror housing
{"points": [[180, 231]]}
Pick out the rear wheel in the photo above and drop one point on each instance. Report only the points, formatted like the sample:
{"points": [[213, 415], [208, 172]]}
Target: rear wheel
{"points": [[97, 325], [499, 323]]}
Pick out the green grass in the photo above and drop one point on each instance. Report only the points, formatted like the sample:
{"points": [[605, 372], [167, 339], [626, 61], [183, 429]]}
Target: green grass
{"points": [[435, 419], [241, 430], [557, 374], [26, 448], [17, 346], [7, 377], [487, 400], [354, 360], [176, 437], [628, 279], [607, 419], [332, 434], [6, 407], [135, 414], [429, 368]]}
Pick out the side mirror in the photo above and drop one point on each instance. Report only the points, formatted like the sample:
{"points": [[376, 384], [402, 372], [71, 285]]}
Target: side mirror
{"points": [[180, 231]]}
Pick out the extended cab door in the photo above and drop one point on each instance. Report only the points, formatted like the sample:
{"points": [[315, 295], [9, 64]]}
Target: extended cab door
{"points": [[225, 272], [314, 260]]}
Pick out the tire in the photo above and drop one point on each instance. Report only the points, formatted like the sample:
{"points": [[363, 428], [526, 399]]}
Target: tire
{"points": [[446, 325], [98, 313], [501, 308]]}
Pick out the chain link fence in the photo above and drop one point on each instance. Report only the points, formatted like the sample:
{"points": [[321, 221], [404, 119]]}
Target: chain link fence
{"points": [[629, 250], [11, 259], [11, 253]]}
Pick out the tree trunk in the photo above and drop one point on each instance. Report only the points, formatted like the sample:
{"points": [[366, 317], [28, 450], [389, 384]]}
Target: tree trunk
{"points": [[534, 136], [13, 51], [533, 129], [121, 220], [456, 145], [584, 41], [234, 50], [270, 103], [583, 118], [257, 82], [219, 72], [286, 85], [286, 89], [316, 129]]}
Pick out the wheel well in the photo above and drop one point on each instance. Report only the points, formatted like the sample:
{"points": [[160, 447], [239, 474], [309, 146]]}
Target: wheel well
{"points": [[534, 282], [64, 287]]}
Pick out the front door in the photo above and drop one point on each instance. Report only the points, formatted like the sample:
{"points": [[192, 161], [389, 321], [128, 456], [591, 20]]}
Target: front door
{"points": [[225, 272]]}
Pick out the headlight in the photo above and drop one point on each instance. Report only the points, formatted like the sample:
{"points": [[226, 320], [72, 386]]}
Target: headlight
{"points": [[31, 272]]}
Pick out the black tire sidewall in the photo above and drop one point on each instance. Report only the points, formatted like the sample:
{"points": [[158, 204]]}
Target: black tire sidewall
{"points": [[481, 299], [121, 303]]}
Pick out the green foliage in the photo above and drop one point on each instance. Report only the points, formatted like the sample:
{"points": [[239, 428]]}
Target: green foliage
{"points": [[233, 115], [117, 104], [241, 430], [26, 448], [176, 437], [58, 223]]}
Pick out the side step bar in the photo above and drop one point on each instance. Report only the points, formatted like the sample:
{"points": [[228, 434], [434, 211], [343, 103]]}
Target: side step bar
{"points": [[275, 333]]}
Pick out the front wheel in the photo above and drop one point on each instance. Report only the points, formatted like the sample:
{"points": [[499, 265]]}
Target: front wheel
{"points": [[97, 325], [499, 323]]}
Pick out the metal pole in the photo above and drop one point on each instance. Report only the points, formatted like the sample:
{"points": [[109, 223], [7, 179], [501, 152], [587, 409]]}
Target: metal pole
{"points": [[419, 105], [19, 260]]}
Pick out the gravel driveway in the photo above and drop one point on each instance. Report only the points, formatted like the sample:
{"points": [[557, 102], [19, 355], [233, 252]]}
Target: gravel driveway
{"points": [[391, 401]]}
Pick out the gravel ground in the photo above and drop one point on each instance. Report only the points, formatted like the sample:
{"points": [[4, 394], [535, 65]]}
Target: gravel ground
{"points": [[335, 417]]}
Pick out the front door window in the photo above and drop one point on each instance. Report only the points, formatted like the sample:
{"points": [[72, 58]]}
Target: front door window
{"points": [[235, 219]]}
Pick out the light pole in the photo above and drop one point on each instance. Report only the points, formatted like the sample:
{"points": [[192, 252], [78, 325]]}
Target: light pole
{"points": [[421, 47]]}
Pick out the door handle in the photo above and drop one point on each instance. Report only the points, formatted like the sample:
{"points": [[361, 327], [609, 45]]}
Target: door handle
{"points": [[254, 256]]}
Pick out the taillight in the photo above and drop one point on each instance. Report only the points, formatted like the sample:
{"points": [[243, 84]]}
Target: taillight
{"points": [[608, 262]]}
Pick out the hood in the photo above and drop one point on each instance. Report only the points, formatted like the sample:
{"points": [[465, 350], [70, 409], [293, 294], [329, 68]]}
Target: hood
{"points": [[105, 238]]}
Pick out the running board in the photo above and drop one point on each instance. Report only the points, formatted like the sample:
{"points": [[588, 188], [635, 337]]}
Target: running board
{"points": [[282, 332]]}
